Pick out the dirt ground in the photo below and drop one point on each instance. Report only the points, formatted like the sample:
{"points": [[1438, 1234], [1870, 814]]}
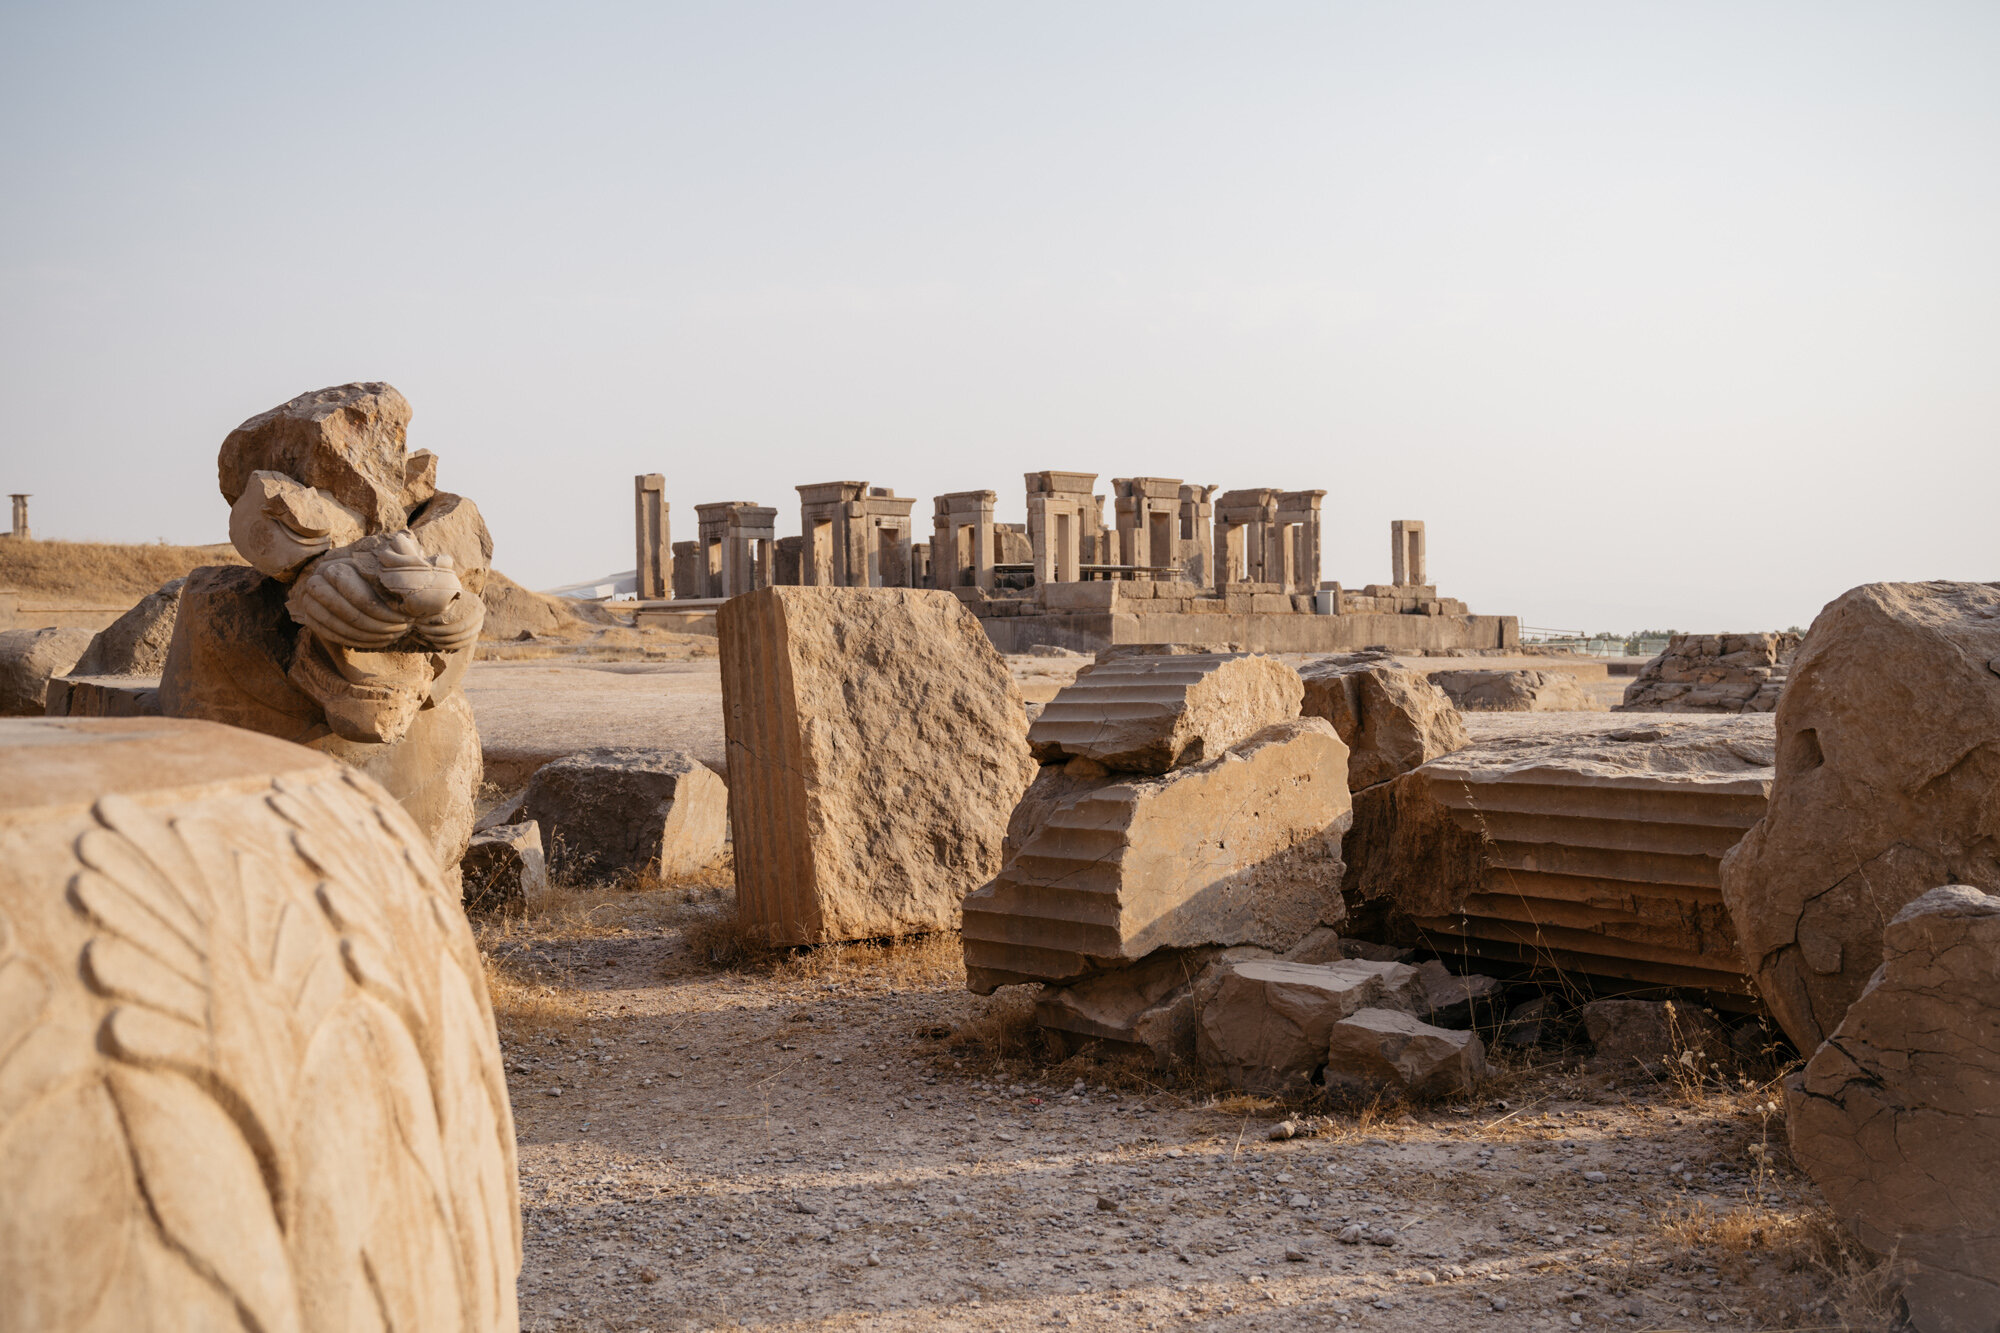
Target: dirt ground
{"points": [[845, 1138]]}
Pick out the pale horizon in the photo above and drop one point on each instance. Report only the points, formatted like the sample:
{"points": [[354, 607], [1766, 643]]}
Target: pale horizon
{"points": [[1658, 317]]}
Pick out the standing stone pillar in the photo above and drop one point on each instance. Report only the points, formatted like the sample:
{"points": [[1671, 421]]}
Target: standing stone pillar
{"points": [[1406, 553], [649, 525], [21, 517], [962, 540], [1299, 515], [1064, 520], [1195, 553]]}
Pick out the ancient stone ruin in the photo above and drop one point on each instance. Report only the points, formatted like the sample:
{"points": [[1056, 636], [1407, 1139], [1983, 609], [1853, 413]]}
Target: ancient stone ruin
{"points": [[1179, 563], [354, 622], [248, 1071], [1713, 673]]}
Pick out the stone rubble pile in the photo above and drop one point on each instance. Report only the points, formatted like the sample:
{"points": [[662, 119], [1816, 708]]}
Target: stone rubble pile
{"points": [[1713, 673]]}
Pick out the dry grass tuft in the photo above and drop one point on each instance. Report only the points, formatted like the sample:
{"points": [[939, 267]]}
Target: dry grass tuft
{"points": [[525, 1006], [1807, 1270], [101, 573]]}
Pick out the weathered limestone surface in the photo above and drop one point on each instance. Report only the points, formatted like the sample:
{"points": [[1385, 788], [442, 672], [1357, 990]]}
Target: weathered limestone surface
{"points": [[1648, 1033], [353, 625], [103, 696], [1516, 692], [622, 808], [1453, 1001], [1888, 783], [248, 1071], [505, 864], [513, 612], [1713, 673], [876, 745], [135, 644], [29, 659], [1897, 1115], [1264, 1025], [1390, 1050], [1391, 719], [1148, 714], [1102, 869], [1586, 841], [1150, 1004]]}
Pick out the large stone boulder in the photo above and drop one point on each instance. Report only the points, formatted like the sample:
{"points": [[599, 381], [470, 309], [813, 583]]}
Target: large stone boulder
{"points": [[1102, 868], [1391, 719], [1897, 1115], [1154, 713], [876, 747], [29, 659], [504, 866], [1375, 1051], [1713, 673], [1264, 1025], [1888, 782], [135, 644], [623, 808], [249, 1077], [1516, 692]]}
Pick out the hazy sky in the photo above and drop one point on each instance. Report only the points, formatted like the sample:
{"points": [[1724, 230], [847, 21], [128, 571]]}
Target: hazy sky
{"points": [[1678, 314]]}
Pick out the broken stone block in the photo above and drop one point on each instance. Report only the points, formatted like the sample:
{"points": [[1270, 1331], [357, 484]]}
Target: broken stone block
{"points": [[1516, 692], [103, 696], [1893, 1116], [1713, 673], [1390, 718], [876, 747], [135, 644], [1888, 782], [504, 866], [1102, 869], [1529, 1022], [1375, 1051], [1264, 1026], [1452, 1001], [622, 808], [1149, 714], [250, 1072], [1647, 1034], [29, 659], [1148, 1005], [1586, 842]]}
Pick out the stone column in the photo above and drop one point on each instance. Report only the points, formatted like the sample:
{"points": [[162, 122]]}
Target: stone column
{"points": [[652, 558], [953, 513], [1407, 557], [21, 517], [1195, 552]]}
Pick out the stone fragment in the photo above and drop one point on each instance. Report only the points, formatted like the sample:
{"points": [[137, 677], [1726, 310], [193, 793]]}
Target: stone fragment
{"points": [[1264, 1025], [353, 625], [623, 808], [1149, 1005], [29, 659], [1894, 1116], [1528, 1023], [103, 696], [1391, 719], [1390, 1050], [1151, 714], [1102, 869], [135, 644], [504, 866], [1888, 783], [1588, 842], [1713, 673], [1452, 1001], [1648, 1034], [876, 745], [1516, 692], [249, 1076]]}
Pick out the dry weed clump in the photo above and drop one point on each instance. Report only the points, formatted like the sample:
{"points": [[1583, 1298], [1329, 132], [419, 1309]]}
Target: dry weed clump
{"points": [[1807, 1271], [101, 572], [526, 1006]]}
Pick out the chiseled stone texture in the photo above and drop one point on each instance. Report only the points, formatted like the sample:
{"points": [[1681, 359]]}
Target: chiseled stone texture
{"points": [[876, 745], [1264, 1024], [1102, 868], [1897, 1115], [1888, 783], [248, 1071], [1390, 718], [1149, 714], [135, 644], [619, 808], [1373, 1051], [29, 659], [1516, 692]]}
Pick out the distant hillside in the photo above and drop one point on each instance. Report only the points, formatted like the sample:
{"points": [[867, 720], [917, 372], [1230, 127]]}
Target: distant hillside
{"points": [[98, 573]]}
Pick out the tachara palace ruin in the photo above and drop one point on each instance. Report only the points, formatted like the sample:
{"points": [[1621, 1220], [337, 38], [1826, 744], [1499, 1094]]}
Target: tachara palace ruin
{"points": [[1180, 564]]}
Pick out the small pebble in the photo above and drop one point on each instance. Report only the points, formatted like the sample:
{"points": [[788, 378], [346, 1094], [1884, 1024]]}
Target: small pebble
{"points": [[1499, 1303]]}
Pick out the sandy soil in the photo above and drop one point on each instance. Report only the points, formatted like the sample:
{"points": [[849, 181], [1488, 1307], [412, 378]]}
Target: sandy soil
{"points": [[845, 1138]]}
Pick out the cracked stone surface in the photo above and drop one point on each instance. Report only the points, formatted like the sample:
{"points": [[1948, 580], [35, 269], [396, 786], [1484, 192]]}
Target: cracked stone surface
{"points": [[1897, 1115]]}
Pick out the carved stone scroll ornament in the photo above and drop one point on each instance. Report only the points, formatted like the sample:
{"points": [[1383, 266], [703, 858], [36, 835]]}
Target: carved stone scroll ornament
{"points": [[248, 1070]]}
